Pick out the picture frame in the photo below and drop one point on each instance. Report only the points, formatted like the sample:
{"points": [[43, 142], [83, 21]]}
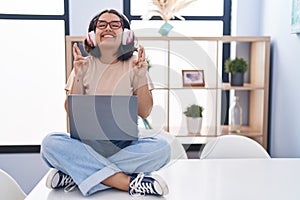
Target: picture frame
{"points": [[295, 17], [193, 78]]}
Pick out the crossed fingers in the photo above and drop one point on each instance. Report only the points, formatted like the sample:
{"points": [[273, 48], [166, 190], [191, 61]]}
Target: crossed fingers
{"points": [[79, 60], [141, 57]]}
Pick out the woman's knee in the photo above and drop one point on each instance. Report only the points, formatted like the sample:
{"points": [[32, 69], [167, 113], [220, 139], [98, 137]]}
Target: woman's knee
{"points": [[160, 155], [162, 148], [166, 148], [52, 141]]}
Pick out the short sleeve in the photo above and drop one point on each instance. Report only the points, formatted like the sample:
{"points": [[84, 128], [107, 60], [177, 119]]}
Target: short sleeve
{"points": [[70, 81]]}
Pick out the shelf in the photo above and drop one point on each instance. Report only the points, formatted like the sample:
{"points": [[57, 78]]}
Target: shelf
{"points": [[246, 131], [225, 86], [188, 138], [187, 88], [206, 53], [224, 39], [247, 86]]}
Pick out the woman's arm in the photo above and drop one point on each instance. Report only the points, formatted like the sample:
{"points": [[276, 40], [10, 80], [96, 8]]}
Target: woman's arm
{"points": [[77, 84], [66, 100], [145, 100]]}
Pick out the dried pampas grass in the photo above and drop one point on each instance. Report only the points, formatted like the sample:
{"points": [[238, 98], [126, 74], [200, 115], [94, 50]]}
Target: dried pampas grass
{"points": [[167, 9]]}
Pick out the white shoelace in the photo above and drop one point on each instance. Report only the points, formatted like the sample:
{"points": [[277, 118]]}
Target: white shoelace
{"points": [[137, 187], [65, 180], [68, 182]]}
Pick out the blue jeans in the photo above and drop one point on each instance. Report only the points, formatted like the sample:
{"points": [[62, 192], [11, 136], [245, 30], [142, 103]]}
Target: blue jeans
{"points": [[88, 168]]}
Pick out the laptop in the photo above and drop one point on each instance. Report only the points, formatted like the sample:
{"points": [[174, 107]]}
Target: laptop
{"points": [[102, 117]]}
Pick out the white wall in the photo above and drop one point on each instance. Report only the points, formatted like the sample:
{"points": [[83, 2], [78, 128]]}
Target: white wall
{"points": [[285, 92], [273, 18], [246, 17]]}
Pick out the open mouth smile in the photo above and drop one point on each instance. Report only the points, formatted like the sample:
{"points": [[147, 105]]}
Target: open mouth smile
{"points": [[108, 36]]}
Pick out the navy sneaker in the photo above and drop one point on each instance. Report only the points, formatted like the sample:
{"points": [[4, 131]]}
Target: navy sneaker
{"points": [[147, 185], [57, 179]]}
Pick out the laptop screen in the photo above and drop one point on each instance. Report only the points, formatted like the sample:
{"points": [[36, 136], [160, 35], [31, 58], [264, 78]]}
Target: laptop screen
{"points": [[102, 117]]}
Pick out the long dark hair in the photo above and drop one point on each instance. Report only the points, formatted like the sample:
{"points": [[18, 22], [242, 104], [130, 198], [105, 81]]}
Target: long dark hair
{"points": [[124, 52]]}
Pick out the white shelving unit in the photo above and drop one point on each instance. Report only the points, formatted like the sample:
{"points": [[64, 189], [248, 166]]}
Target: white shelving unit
{"points": [[170, 55]]}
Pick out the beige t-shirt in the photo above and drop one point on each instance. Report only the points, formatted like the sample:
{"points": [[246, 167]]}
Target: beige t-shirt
{"points": [[113, 79]]}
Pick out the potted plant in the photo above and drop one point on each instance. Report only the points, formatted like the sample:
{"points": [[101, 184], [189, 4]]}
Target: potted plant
{"points": [[236, 67], [193, 115]]}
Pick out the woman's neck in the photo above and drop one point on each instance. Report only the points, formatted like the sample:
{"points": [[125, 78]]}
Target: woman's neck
{"points": [[108, 57], [107, 60]]}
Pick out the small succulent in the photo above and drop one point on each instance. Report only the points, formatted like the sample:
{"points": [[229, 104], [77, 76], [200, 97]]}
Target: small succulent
{"points": [[194, 111]]}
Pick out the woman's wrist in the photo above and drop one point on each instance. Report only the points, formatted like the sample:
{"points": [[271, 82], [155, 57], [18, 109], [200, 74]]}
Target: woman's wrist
{"points": [[77, 87], [140, 78], [141, 81]]}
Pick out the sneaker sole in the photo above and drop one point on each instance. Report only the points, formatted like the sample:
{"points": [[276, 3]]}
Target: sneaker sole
{"points": [[50, 177], [162, 184]]}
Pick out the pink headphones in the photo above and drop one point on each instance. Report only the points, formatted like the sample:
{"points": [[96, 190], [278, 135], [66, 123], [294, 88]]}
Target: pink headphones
{"points": [[127, 37]]}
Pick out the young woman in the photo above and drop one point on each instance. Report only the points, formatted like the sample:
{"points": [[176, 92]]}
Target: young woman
{"points": [[110, 69]]}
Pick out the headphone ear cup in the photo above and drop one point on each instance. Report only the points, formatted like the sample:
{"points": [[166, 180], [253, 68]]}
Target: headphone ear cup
{"points": [[127, 37], [91, 38]]}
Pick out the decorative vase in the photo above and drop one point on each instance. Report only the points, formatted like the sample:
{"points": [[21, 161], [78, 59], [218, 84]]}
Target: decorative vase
{"points": [[237, 79], [194, 125], [165, 29], [235, 116]]}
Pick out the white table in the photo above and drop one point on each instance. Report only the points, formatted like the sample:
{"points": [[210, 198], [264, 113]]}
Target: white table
{"points": [[224, 179]]}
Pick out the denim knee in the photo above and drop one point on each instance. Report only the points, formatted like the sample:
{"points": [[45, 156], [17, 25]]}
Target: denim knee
{"points": [[161, 149], [53, 141], [165, 149]]}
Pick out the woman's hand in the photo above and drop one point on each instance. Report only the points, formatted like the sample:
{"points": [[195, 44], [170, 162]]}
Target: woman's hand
{"points": [[79, 60], [141, 63], [145, 101]]}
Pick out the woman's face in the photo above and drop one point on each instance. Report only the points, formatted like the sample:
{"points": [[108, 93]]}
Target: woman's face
{"points": [[109, 30]]}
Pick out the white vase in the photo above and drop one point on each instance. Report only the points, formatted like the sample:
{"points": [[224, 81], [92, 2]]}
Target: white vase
{"points": [[194, 125]]}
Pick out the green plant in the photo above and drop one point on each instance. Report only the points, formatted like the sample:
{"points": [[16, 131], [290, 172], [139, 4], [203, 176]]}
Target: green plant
{"points": [[194, 111], [236, 65]]}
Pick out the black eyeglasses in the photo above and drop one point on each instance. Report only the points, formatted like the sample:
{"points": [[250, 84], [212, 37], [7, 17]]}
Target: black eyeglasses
{"points": [[113, 24]]}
